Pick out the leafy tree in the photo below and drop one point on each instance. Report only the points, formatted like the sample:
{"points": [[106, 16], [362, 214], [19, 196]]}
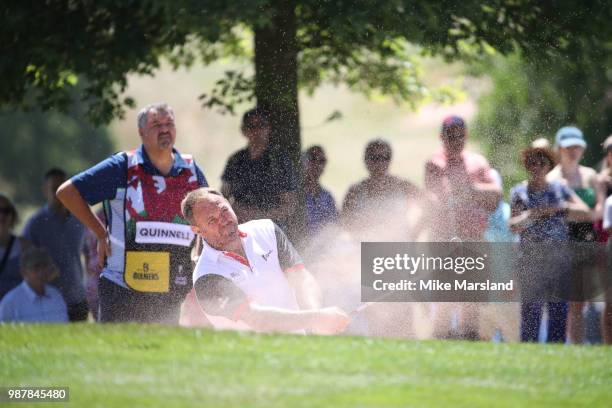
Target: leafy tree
{"points": [[33, 142], [532, 98], [361, 43]]}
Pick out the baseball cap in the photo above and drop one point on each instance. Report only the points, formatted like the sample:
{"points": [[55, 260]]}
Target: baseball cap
{"points": [[570, 136], [452, 122]]}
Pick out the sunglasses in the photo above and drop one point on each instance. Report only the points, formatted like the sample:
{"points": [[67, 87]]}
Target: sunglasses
{"points": [[536, 161], [378, 157]]}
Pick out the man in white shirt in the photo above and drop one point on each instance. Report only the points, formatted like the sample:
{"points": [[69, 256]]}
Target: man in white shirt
{"points": [[251, 273], [34, 300]]}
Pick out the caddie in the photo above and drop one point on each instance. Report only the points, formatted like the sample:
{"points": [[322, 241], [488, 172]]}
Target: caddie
{"points": [[145, 244]]}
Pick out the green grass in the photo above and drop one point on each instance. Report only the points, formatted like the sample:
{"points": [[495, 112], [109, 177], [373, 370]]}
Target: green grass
{"points": [[135, 366]]}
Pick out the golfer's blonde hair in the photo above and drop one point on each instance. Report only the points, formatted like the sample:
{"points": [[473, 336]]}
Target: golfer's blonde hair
{"points": [[192, 198]]}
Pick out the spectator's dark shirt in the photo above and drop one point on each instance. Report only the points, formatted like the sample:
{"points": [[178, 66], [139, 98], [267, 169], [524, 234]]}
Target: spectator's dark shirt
{"points": [[259, 182], [551, 228]]}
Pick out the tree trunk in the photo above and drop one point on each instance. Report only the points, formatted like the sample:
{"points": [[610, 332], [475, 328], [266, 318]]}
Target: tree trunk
{"points": [[276, 86], [276, 90]]}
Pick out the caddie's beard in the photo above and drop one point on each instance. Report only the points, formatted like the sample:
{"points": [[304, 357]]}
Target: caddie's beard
{"points": [[164, 140]]}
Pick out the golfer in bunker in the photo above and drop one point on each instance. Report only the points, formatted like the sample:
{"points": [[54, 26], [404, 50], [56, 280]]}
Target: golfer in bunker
{"points": [[251, 273]]}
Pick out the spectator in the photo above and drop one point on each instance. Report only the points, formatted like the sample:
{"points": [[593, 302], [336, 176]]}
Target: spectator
{"points": [[10, 247], [461, 187], [320, 204], [539, 209], [462, 193], [34, 300], [570, 143], [605, 176], [606, 235], [62, 235], [605, 181], [497, 226], [259, 180], [145, 242], [500, 319], [376, 207], [251, 272]]}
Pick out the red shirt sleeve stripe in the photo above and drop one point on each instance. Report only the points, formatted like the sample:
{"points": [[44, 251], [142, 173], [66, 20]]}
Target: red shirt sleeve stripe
{"points": [[295, 267]]}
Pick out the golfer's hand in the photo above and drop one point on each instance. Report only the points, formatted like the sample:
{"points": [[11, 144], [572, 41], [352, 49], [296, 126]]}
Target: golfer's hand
{"points": [[330, 320], [104, 250]]}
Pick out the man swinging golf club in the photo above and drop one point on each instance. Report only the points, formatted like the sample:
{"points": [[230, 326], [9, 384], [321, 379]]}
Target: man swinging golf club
{"points": [[251, 273]]}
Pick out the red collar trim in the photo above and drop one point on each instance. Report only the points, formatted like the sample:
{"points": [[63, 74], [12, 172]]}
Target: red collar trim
{"points": [[237, 257], [242, 234], [295, 267]]}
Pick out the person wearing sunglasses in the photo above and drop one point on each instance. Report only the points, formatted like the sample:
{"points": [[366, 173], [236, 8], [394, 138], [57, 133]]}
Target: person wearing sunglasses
{"points": [[260, 180], [320, 204], [605, 178], [584, 181], [461, 194], [540, 209], [376, 208]]}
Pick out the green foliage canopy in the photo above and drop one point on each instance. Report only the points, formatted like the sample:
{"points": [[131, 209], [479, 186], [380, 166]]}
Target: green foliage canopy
{"points": [[33, 142], [53, 43]]}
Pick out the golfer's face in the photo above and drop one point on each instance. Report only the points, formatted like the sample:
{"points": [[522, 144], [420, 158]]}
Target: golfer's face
{"points": [[159, 132], [215, 220]]}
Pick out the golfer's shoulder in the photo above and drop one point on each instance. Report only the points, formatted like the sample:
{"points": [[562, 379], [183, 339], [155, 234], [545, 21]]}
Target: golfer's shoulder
{"points": [[258, 228]]}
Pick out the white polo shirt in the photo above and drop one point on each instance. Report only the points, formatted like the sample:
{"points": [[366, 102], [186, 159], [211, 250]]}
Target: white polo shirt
{"points": [[22, 304], [261, 277]]}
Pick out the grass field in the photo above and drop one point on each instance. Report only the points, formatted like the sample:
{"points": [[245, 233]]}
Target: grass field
{"points": [[136, 366]]}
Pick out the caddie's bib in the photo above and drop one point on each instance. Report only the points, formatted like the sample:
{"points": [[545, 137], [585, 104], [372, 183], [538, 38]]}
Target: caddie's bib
{"points": [[157, 238]]}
